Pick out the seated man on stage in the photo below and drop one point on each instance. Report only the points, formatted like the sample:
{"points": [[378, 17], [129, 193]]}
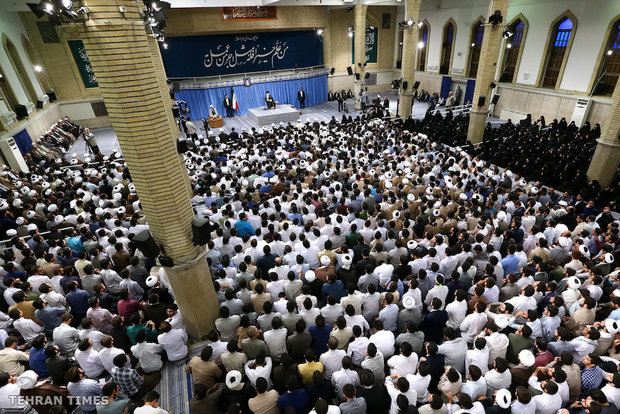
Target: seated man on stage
{"points": [[271, 103], [213, 112]]}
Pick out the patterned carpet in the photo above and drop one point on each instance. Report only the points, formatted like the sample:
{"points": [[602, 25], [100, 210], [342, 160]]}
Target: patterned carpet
{"points": [[175, 388]]}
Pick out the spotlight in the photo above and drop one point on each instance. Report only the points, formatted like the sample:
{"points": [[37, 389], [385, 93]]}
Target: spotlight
{"points": [[349, 9], [1, 76], [496, 18], [47, 6], [320, 31], [38, 68], [421, 45], [350, 34], [610, 52], [420, 23], [371, 27], [507, 34], [473, 44], [165, 45], [509, 46], [67, 4], [410, 22]]}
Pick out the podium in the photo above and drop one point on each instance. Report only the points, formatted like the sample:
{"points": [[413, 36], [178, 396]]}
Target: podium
{"points": [[216, 122]]}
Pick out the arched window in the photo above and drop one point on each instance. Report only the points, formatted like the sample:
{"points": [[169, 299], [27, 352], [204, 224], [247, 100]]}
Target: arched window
{"points": [[6, 92], [477, 34], [422, 46], [512, 51], [447, 46], [610, 65], [557, 51], [35, 61], [20, 69]]}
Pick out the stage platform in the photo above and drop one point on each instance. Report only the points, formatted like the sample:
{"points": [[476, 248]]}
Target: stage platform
{"points": [[283, 113]]}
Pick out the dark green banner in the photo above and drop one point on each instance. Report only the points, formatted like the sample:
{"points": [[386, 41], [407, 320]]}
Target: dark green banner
{"points": [[83, 63], [372, 37]]}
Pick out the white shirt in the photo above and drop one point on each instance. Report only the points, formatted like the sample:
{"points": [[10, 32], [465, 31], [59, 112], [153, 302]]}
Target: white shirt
{"points": [[357, 350], [612, 394], [276, 341], [147, 409], [475, 388], [331, 409], [547, 404], [254, 373], [371, 305], [479, 358], [384, 341], [529, 408], [106, 355], [173, 343], [90, 362], [472, 325], [400, 364], [358, 320], [411, 395], [440, 292], [332, 362], [28, 328], [420, 385], [343, 377], [454, 352], [497, 381], [497, 344], [456, 313]]}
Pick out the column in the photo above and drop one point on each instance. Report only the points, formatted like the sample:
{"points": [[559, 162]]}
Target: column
{"points": [[360, 51], [132, 82], [489, 55], [410, 51], [607, 154]]}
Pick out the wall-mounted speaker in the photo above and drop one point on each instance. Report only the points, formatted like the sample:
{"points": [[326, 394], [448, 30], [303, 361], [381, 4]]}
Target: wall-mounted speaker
{"points": [[405, 85], [332, 70], [495, 99], [493, 85], [51, 95], [175, 87], [201, 231], [146, 244], [367, 75], [21, 111], [357, 76], [349, 70], [481, 100], [416, 84]]}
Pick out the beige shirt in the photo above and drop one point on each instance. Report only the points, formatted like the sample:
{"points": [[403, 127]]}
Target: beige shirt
{"points": [[9, 358], [203, 372], [265, 403]]}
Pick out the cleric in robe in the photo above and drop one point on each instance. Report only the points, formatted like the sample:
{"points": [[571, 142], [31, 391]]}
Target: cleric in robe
{"points": [[271, 103], [213, 112]]}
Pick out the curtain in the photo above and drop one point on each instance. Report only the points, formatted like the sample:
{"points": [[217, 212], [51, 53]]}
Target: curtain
{"points": [[23, 141], [285, 92], [446, 81], [469, 90]]}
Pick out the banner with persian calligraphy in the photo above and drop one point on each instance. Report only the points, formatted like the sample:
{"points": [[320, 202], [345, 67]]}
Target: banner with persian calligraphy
{"points": [[199, 56], [83, 63], [249, 13], [372, 39]]}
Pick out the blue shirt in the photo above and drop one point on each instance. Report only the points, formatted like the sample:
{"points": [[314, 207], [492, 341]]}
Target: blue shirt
{"points": [[319, 338], [49, 317], [78, 300], [297, 399], [243, 228], [37, 362], [335, 289], [510, 264], [75, 244]]}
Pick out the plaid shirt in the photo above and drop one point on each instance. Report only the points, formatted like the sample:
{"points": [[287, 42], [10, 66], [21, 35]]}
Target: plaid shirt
{"points": [[128, 380], [85, 387], [591, 378]]}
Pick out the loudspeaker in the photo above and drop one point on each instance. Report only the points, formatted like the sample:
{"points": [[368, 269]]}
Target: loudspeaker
{"points": [[21, 111], [171, 95], [357, 76], [182, 146], [146, 244], [495, 99], [481, 100], [201, 230], [367, 75], [493, 85], [416, 84], [405, 84], [332, 70], [349, 70], [39, 104], [175, 86], [51, 95]]}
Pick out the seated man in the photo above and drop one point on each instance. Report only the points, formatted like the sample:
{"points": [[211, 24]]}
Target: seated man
{"points": [[213, 114], [271, 103]]}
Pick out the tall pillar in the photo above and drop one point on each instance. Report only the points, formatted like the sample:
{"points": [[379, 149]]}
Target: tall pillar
{"points": [[132, 81], [607, 154], [410, 51], [360, 51], [489, 55]]}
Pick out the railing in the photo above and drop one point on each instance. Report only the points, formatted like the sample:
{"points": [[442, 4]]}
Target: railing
{"points": [[455, 109], [233, 76]]}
